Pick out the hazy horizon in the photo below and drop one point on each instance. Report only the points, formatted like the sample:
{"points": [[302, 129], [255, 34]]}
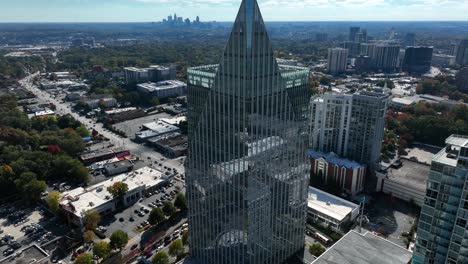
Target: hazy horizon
{"points": [[127, 11]]}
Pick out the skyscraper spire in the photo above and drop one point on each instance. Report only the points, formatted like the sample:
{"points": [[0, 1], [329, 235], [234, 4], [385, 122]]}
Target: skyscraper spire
{"points": [[249, 49]]}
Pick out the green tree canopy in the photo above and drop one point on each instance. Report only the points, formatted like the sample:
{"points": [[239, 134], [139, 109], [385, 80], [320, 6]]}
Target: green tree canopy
{"points": [[88, 236], [185, 237], [161, 258], [176, 248], [118, 190], [92, 219], [180, 201], [53, 201], [84, 258], [316, 249], [118, 239], [168, 208], [156, 216], [101, 249]]}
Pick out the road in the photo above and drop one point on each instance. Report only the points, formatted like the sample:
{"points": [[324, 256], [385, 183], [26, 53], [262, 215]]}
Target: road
{"points": [[141, 151]]}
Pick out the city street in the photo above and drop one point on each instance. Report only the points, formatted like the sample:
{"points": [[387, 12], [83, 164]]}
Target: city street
{"points": [[145, 153]]}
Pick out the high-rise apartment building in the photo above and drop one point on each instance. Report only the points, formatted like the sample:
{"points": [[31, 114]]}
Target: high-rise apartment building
{"points": [[462, 53], [417, 59], [337, 60], [350, 125], [443, 223], [247, 168], [386, 56]]}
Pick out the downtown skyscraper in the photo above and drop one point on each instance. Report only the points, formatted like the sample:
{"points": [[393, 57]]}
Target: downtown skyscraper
{"points": [[247, 172]]}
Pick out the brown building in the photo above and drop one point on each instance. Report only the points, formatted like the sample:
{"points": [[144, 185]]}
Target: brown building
{"points": [[330, 169]]}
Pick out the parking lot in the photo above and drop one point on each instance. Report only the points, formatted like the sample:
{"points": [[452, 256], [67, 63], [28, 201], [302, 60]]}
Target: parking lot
{"points": [[22, 227], [129, 219], [391, 217], [130, 127]]}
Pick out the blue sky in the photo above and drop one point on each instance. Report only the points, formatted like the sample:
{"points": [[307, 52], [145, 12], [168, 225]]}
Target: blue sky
{"points": [[225, 10]]}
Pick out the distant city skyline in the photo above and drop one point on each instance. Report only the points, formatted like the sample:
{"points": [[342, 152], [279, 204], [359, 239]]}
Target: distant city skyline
{"points": [[225, 10]]}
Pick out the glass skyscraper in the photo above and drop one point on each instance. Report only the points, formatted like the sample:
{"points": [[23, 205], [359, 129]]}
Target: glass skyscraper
{"points": [[443, 223], [247, 172]]}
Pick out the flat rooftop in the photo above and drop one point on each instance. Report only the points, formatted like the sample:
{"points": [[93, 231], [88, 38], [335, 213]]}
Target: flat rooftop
{"points": [[421, 153], [160, 127], [84, 199], [449, 155], [214, 68], [355, 248], [410, 173], [163, 85], [329, 205]]}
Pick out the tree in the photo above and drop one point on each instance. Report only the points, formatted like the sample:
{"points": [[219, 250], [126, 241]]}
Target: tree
{"points": [[118, 239], [180, 201], [168, 208], [92, 219], [156, 216], [53, 201], [82, 131], [185, 237], [29, 186], [161, 258], [88, 236], [316, 249], [84, 258], [176, 248], [101, 249], [118, 190]]}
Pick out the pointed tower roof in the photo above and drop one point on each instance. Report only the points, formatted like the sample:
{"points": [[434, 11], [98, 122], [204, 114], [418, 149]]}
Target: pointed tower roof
{"points": [[248, 54]]}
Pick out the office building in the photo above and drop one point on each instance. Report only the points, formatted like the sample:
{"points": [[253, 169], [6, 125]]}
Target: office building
{"points": [[353, 31], [442, 235], [443, 60], [350, 125], [164, 89], [363, 64], [329, 210], [386, 57], [462, 53], [337, 60], [461, 79], [367, 248], [154, 73], [354, 48], [96, 197], [417, 60], [367, 49], [247, 162]]}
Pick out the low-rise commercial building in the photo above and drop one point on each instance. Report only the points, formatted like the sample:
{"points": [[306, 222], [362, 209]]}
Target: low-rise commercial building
{"points": [[442, 60], [103, 154], [164, 89], [348, 175], [96, 101], [154, 73], [155, 129], [329, 210], [367, 248], [404, 179], [172, 145], [77, 202], [118, 167]]}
